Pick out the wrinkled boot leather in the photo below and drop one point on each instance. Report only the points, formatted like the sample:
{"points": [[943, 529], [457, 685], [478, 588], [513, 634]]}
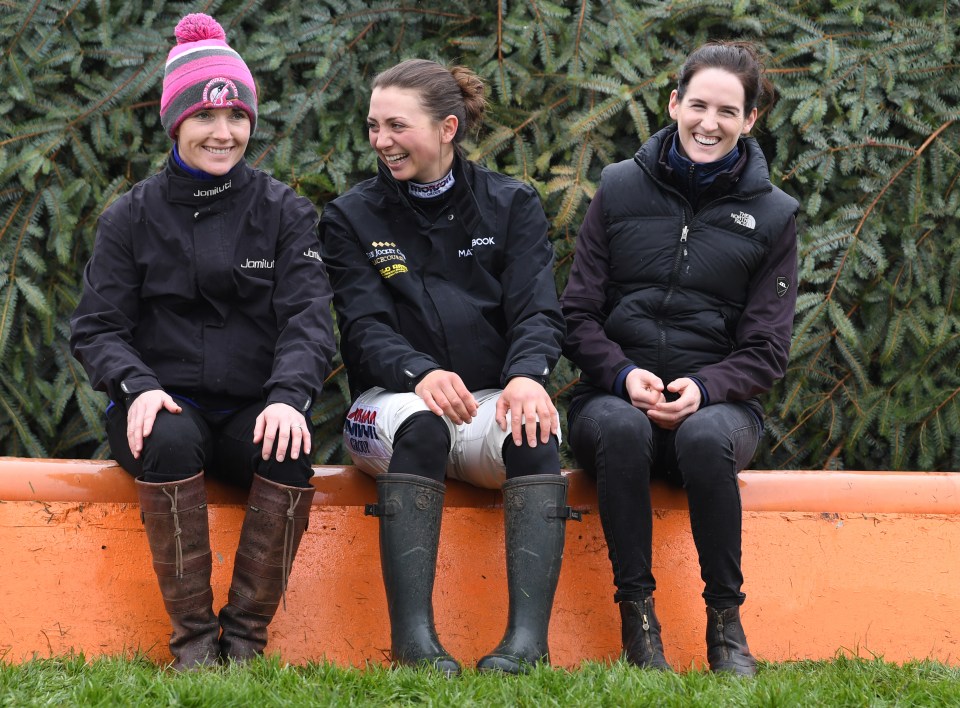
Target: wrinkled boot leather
{"points": [[640, 632], [727, 648], [410, 508], [276, 518], [535, 512], [174, 517]]}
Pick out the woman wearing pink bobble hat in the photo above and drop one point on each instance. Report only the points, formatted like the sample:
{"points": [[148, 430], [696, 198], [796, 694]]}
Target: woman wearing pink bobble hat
{"points": [[205, 318]]}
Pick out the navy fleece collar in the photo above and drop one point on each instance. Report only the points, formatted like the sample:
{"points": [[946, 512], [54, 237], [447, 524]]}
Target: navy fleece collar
{"points": [[697, 177]]}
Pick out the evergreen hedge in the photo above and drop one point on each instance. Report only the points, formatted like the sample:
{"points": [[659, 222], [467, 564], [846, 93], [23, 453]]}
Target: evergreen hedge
{"points": [[865, 132]]}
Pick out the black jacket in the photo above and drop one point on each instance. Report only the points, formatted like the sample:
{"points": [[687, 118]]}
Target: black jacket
{"points": [[708, 295], [212, 288], [472, 292]]}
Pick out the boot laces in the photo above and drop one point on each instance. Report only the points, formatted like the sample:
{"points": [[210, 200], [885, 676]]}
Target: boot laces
{"points": [[289, 531], [177, 531]]}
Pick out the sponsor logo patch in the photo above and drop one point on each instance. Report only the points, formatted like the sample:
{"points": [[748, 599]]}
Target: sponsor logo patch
{"points": [[213, 192], [479, 242], [783, 285], [360, 433], [387, 258], [257, 264]]}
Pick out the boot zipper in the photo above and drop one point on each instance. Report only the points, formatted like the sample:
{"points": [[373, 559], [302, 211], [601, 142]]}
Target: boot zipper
{"points": [[646, 629], [646, 633], [723, 639]]}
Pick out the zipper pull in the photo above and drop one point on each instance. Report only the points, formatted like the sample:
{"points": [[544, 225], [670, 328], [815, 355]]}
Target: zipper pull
{"points": [[683, 240], [646, 623]]}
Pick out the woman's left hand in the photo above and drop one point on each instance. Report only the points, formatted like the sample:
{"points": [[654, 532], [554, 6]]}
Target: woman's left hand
{"points": [[528, 402], [669, 414], [284, 425]]}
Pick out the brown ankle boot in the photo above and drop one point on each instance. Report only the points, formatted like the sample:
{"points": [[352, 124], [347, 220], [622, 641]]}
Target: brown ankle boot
{"points": [[640, 632], [174, 517], [277, 516], [727, 648]]}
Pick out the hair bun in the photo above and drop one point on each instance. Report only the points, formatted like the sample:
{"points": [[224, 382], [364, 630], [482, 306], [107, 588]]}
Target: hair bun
{"points": [[197, 27]]}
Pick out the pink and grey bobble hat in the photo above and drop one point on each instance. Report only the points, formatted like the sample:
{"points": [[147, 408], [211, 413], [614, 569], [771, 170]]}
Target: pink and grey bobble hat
{"points": [[204, 72]]}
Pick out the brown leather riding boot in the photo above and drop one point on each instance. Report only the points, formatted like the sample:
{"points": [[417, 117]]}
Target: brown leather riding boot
{"points": [[277, 516], [174, 516]]}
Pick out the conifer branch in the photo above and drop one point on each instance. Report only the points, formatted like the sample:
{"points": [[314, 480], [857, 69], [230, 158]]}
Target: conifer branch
{"points": [[876, 200]]}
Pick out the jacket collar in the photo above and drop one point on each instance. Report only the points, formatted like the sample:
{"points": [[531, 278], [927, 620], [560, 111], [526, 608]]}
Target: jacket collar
{"points": [[754, 177], [463, 201], [184, 189]]}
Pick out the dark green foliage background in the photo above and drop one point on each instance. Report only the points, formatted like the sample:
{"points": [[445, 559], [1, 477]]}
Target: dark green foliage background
{"points": [[865, 132]]}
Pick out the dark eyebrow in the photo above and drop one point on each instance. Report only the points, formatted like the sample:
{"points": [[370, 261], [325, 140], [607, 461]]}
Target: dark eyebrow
{"points": [[732, 107]]}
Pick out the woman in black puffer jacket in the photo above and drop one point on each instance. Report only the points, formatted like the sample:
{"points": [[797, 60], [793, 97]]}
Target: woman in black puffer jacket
{"points": [[679, 312]]}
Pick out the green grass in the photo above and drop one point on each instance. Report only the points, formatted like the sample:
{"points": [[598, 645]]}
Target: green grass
{"points": [[118, 682]]}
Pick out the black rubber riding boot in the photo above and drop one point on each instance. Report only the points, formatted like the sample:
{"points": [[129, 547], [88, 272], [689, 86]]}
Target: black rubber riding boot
{"points": [[277, 516], [535, 512], [727, 648], [640, 631], [410, 508], [174, 516]]}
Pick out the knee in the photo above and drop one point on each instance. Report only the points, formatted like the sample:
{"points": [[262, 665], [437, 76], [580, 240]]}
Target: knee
{"points": [[621, 429], [173, 450], [422, 434], [292, 473], [705, 454], [420, 446], [704, 434], [522, 460]]}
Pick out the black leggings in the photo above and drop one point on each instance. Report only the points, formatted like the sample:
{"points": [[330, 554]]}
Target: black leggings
{"points": [[219, 443], [422, 444], [618, 445]]}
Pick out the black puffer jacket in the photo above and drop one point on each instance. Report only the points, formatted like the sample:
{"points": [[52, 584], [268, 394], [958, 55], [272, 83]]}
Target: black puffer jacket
{"points": [[708, 295]]}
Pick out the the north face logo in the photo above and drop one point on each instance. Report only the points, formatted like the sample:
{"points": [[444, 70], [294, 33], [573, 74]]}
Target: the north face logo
{"points": [[744, 219]]}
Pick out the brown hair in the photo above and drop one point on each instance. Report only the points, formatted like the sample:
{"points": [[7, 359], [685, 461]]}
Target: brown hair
{"points": [[456, 91], [739, 58]]}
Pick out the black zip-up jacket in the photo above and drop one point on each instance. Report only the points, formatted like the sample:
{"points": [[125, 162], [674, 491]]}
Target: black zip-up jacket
{"points": [[208, 288], [708, 294], [471, 292]]}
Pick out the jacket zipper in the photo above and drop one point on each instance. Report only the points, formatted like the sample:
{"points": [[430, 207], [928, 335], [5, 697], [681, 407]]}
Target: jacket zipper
{"points": [[678, 260], [682, 250]]}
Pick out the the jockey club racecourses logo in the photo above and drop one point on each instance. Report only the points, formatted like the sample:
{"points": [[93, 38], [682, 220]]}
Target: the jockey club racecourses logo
{"points": [[220, 92], [387, 258]]}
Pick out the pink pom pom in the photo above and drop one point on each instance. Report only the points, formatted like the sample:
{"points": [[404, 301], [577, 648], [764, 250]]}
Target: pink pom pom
{"points": [[198, 26]]}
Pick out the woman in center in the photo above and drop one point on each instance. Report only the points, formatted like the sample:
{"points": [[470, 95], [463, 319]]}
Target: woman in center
{"points": [[449, 328]]}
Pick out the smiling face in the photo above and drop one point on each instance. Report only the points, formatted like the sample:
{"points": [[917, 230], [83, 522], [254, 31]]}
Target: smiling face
{"points": [[214, 139], [408, 141], [711, 117]]}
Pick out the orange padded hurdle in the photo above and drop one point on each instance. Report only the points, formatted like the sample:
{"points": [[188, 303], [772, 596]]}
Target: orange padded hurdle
{"points": [[859, 562]]}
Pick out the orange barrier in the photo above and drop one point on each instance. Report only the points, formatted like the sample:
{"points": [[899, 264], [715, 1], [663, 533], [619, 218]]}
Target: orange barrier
{"points": [[859, 562]]}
